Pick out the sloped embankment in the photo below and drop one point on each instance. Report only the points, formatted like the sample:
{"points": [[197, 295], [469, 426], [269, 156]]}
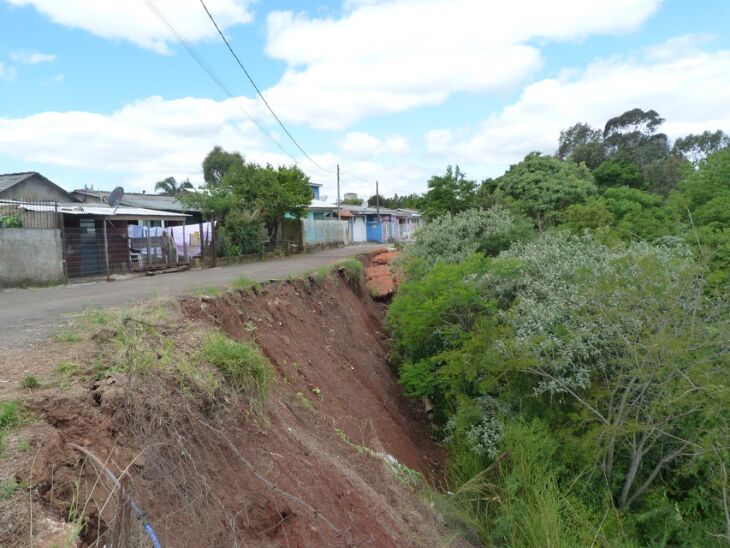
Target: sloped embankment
{"points": [[316, 468]]}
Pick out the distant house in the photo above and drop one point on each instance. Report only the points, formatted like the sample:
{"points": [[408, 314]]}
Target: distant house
{"points": [[158, 202], [315, 190], [32, 186]]}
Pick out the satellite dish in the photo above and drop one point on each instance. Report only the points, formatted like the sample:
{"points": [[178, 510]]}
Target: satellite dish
{"points": [[115, 198]]}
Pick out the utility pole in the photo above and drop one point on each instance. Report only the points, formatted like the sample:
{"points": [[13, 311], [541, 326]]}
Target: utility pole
{"points": [[339, 217], [377, 200]]}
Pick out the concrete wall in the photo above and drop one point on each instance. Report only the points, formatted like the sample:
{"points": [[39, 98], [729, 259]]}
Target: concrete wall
{"points": [[30, 256]]}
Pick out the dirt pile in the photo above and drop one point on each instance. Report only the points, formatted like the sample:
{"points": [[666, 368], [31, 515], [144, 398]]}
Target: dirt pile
{"points": [[332, 462], [381, 281]]}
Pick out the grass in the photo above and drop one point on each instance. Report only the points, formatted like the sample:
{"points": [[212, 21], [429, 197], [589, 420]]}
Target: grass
{"points": [[242, 365], [245, 283], [211, 291], [9, 488], [352, 270], [29, 382], [68, 369], [9, 418], [68, 337]]}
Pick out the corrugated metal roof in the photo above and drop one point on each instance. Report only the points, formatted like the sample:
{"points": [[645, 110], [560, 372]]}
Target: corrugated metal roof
{"points": [[8, 180], [103, 210], [147, 201], [319, 204]]}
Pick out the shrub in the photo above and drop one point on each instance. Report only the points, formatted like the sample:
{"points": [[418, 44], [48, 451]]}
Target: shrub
{"points": [[450, 239]]}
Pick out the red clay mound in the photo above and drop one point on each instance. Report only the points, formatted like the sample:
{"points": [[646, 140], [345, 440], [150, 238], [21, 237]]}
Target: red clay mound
{"points": [[381, 282]]}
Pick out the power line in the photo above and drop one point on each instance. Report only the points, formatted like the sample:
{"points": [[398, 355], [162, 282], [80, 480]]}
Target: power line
{"points": [[258, 91], [213, 75]]}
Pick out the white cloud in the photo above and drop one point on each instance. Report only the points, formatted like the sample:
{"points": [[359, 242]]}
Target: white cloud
{"points": [[145, 140], [690, 91], [135, 22], [392, 56], [364, 145], [31, 57], [7, 72]]}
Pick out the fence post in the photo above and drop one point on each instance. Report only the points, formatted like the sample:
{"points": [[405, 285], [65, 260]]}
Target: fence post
{"points": [[61, 225], [106, 250], [149, 247], [212, 242]]}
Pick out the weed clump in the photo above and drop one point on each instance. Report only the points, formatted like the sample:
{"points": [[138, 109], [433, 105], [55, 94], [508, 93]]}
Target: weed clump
{"points": [[241, 364], [30, 382]]}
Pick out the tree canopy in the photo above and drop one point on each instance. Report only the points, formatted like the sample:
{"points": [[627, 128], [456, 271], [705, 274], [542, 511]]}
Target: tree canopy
{"points": [[170, 187], [541, 187]]}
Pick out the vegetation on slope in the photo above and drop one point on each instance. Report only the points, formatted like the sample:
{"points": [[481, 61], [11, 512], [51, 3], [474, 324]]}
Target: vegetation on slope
{"points": [[577, 363]]}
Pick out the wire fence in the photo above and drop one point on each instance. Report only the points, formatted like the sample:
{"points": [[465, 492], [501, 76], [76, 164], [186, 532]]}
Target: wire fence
{"points": [[29, 214]]}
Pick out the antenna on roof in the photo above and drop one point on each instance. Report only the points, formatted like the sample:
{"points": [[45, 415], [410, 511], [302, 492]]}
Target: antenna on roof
{"points": [[115, 197]]}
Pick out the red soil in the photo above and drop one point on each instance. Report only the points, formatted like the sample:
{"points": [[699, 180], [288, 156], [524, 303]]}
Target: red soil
{"points": [[381, 282], [207, 473]]}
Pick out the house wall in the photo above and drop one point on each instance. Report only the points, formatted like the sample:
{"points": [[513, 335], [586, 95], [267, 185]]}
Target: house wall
{"points": [[30, 256], [35, 188]]}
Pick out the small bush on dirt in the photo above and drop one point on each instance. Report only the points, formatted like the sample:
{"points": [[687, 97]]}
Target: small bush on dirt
{"points": [[242, 364], [30, 382]]}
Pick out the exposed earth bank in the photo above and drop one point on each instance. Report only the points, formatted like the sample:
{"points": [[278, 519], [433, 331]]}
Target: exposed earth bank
{"points": [[329, 460]]}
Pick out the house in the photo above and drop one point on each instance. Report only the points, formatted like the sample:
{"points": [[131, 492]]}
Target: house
{"points": [[32, 186], [157, 202], [315, 189]]}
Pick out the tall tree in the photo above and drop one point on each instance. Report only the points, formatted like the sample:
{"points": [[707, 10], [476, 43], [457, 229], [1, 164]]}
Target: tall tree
{"points": [[451, 193], [632, 137], [577, 135], [697, 147], [170, 187], [217, 163]]}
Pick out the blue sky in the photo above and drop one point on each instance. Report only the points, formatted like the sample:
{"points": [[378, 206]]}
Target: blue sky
{"points": [[99, 93]]}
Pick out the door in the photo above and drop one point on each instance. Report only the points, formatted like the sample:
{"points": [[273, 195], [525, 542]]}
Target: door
{"points": [[90, 263], [359, 230], [374, 232]]}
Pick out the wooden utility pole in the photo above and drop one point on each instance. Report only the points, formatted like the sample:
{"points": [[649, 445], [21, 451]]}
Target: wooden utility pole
{"points": [[339, 216]]}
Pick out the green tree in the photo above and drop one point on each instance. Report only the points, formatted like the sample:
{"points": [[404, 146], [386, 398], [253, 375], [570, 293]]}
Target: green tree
{"points": [[217, 163], [632, 137], [542, 187], [451, 192], [170, 187], [271, 193], [618, 173], [697, 147], [575, 137]]}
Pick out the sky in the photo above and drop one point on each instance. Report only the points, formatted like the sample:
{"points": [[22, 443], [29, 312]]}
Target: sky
{"points": [[101, 93]]}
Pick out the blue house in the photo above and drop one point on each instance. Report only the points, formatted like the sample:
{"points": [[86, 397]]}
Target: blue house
{"points": [[315, 190]]}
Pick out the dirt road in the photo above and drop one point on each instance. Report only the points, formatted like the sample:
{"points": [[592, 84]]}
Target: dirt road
{"points": [[31, 315]]}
